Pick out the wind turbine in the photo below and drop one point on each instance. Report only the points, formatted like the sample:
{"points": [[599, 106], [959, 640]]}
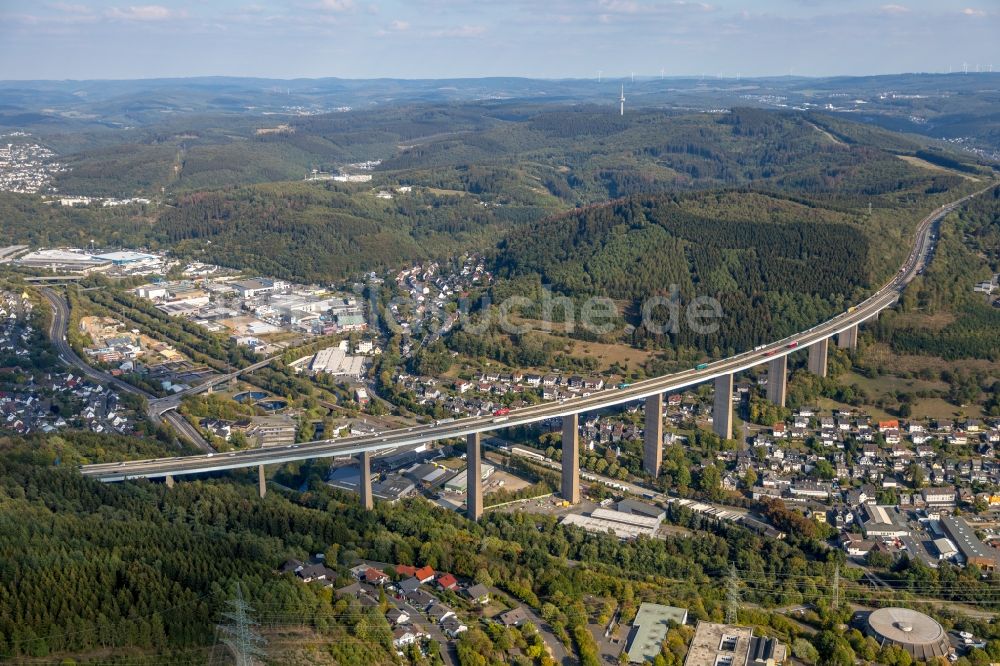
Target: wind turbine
{"points": [[622, 100]]}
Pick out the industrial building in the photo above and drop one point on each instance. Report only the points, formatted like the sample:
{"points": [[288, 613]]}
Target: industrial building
{"points": [[63, 261], [393, 488], [334, 361], [732, 645], [127, 257], [882, 521], [623, 525], [641, 509], [460, 482], [271, 430], [918, 634], [254, 288], [972, 549], [649, 628]]}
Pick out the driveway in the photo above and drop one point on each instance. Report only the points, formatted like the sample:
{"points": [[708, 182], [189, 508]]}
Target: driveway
{"points": [[448, 653]]}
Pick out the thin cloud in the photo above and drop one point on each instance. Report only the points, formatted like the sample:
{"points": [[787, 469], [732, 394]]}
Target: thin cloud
{"points": [[970, 11], [461, 31], [636, 7], [399, 26], [68, 8], [895, 9], [142, 13], [337, 5]]}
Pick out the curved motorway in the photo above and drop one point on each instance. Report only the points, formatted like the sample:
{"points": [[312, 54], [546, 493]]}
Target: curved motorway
{"points": [[57, 333], [880, 300]]}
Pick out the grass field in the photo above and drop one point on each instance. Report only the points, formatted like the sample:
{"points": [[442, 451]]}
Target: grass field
{"points": [[924, 164], [887, 386]]}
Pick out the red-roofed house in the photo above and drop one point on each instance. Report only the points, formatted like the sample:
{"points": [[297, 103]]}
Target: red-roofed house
{"points": [[424, 574], [405, 570], [375, 577], [447, 582]]}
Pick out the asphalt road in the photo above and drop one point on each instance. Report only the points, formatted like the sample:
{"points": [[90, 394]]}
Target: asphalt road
{"points": [[57, 333], [880, 300]]}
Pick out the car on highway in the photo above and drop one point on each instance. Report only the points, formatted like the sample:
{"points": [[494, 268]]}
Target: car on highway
{"points": [[624, 385], [793, 345], [701, 366], [503, 411]]}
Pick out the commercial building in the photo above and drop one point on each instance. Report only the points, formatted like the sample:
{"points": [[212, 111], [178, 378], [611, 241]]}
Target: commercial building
{"points": [[939, 496], [732, 645], [649, 628], [918, 634]]}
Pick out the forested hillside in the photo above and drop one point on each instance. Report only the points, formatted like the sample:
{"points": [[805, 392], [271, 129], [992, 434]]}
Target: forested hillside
{"points": [[478, 173], [775, 264], [941, 315], [139, 572]]}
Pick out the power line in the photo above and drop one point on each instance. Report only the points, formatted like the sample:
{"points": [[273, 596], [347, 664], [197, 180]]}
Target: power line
{"points": [[240, 635], [732, 596], [836, 587]]}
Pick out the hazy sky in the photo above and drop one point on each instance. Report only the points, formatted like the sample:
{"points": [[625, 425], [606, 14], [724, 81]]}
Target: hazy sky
{"points": [[442, 38]]}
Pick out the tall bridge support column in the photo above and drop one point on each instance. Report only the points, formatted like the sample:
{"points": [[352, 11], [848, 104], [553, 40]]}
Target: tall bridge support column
{"points": [[571, 458], [365, 481], [652, 452], [848, 339], [474, 470], [777, 378], [817, 357], [261, 482], [169, 479], [722, 414]]}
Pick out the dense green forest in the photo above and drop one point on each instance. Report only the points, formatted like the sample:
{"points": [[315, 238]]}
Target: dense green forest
{"points": [[145, 570]]}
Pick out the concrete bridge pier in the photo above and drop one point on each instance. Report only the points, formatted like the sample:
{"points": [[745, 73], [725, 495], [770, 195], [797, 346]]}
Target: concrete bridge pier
{"points": [[169, 479], [365, 480], [777, 378], [474, 470], [571, 458], [652, 452], [817, 357], [848, 339], [722, 413], [261, 482]]}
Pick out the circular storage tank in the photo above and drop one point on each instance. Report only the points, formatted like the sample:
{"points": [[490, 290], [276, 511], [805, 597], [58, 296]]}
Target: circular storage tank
{"points": [[918, 634]]}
